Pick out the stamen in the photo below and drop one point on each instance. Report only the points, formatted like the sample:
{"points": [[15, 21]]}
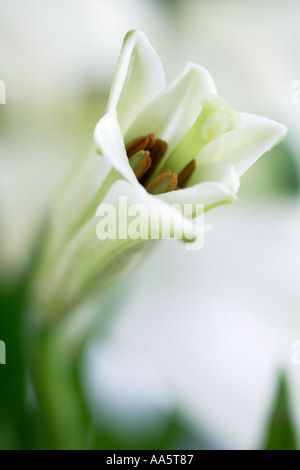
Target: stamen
{"points": [[151, 142], [145, 154], [157, 152], [140, 163], [163, 183], [137, 145], [186, 173]]}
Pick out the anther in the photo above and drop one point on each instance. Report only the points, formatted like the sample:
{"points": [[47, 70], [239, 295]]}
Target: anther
{"points": [[186, 174], [163, 183], [151, 142], [137, 145], [156, 152], [140, 162]]}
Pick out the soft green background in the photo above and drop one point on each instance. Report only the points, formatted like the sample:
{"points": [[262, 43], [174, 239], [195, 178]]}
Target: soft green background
{"points": [[198, 354]]}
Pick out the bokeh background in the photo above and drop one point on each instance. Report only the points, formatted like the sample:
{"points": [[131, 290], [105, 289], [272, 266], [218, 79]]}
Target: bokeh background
{"points": [[199, 350]]}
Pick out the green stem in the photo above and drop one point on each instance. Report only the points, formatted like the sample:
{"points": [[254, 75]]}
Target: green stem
{"points": [[12, 373], [61, 405]]}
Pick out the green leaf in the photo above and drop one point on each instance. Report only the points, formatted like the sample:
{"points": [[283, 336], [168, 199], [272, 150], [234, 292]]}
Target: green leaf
{"points": [[281, 433]]}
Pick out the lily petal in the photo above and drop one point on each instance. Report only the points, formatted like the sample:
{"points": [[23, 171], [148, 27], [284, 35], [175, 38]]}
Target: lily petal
{"points": [[223, 173], [172, 113], [243, 146], [219, 183], [110, 142], [208, 193], [153, 205], [139, 78]]}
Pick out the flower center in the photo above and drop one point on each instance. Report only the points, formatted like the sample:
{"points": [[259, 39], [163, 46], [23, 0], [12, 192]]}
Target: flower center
{"points": [[145, 154]]}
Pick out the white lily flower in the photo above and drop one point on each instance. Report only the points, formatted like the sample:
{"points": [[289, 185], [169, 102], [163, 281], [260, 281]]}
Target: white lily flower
{"points": [[162, 145], [188, 115]]}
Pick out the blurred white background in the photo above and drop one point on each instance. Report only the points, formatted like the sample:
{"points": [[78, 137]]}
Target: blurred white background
{"points": [[215, 325]]}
